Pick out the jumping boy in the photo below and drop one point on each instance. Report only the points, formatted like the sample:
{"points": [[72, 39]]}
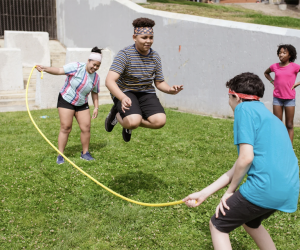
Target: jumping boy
{"points": [[266, 155], [130, 81]]}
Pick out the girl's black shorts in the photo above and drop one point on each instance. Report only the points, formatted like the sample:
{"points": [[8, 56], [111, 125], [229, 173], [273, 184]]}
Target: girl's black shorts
{"points": [[62, 103]]}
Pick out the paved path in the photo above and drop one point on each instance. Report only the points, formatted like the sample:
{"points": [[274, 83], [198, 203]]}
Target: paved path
{"points": [[270, 9]]}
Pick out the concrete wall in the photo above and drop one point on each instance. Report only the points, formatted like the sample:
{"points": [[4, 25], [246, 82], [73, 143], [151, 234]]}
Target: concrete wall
{"points": [[34, 46], [200, 53], [11, 73], [47, 90]]}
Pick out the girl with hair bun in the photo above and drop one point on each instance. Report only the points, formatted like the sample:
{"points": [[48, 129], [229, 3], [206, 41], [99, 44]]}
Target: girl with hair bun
{"points": [[81, 80]]}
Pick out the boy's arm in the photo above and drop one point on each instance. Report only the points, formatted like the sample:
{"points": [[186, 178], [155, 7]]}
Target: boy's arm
{"points": [[242, 166], [111, 84], [164, 87], [195, 199]]}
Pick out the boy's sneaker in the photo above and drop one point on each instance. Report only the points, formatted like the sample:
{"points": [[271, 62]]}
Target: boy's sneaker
{"points": [[126, 134], [111, 119], [87, 156], [60, 160]]}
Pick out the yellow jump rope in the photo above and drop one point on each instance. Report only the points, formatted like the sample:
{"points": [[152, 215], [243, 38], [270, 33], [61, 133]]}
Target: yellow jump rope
{"points": [[86, 174]]}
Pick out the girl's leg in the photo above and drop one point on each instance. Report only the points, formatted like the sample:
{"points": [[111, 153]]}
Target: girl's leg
{"points": [[66, 120], [278, 111], [154, 121], [261, 237], [289, 120], [130, 122], [220, 240], [84, 121]]}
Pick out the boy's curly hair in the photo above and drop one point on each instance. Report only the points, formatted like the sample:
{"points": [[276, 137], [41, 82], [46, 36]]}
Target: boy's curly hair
{"points": [[247, 83], [290, 48], [143, 22]]}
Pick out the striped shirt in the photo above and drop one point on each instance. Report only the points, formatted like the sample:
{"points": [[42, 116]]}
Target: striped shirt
{"points": [[137, 72], [79, 83]]}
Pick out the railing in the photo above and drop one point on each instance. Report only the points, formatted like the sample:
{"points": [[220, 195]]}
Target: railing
{"points": [[28, 15]]}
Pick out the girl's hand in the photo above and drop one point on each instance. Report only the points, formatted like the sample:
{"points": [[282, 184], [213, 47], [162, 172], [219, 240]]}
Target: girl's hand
{"points": [[126, 103], [295, 85], [40, 68], [195, 199], [223, 204], [95, 113], [175, 89]]}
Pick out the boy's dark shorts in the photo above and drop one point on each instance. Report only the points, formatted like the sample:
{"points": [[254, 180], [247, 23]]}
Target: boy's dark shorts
{"points": [[241, 212], [144, 104], [62, 103]]}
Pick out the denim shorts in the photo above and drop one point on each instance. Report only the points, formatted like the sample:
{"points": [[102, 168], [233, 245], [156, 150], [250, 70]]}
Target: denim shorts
{"points": [[284, 102]]}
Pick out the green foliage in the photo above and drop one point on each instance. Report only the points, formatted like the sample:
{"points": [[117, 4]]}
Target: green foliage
{"points": [[279, 21], [56, 207], [226, 12]]}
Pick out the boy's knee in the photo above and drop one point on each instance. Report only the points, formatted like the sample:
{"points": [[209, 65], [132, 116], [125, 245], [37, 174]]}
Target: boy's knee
{"points": [[131, 123], [158, 120], [160, 123]]}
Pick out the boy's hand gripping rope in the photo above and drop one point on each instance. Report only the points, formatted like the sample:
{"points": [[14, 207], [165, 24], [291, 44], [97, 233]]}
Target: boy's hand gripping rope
{"points": [[78, 168]]}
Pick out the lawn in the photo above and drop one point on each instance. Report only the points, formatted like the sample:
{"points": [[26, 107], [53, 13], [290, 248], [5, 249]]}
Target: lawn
{"points": [[45, 205], [238, 14]]}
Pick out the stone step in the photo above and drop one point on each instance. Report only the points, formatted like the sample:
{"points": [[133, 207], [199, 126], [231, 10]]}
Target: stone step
{"points": [[21, 91], [104, 97], [105, 101], [15, 102], [18, 108], [17, 96]]}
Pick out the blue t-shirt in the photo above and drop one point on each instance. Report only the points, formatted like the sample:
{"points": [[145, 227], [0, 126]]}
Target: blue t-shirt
{"points": [[273, 178]]}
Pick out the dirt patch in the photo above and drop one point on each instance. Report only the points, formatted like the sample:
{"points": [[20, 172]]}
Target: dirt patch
{"points": [[269, 9]]}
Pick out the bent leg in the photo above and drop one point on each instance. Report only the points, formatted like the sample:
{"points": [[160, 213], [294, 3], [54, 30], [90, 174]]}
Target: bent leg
{"points": [[261, 237], [130, 122], [155, 121], [289, 120], [220, 240], [278, 111], [66, 120], [84, 121]]}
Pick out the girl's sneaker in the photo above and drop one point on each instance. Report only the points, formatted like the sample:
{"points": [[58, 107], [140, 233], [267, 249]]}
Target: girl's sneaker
{"points": [[87, 156], [60, 160]]}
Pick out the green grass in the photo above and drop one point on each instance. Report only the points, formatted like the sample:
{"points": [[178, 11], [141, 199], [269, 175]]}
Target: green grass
{"points": [[45, 205], [223, 12]]}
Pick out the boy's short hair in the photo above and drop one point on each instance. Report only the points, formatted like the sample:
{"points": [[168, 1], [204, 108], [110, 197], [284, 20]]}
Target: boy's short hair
{"points": [[143, 22], [247, 83], [290, 48]]}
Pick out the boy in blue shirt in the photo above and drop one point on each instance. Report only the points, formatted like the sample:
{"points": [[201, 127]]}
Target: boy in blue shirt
{"points": [[266, 155]]}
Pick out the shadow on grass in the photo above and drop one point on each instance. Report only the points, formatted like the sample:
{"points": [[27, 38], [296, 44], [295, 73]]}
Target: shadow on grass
{"points": [[70, 150], [133, 182]]}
